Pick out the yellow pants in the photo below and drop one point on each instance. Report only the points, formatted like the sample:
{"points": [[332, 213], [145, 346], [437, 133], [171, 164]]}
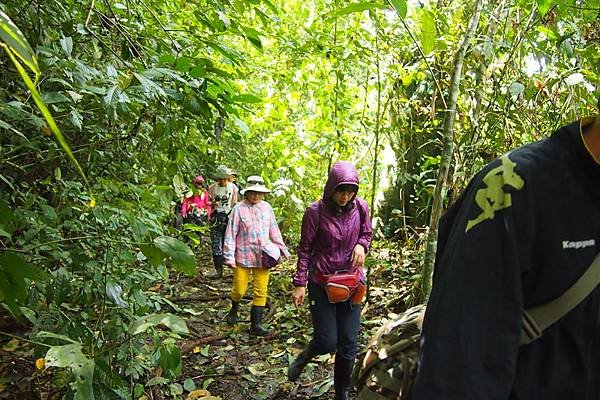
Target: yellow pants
{"points": [[260, 283]]}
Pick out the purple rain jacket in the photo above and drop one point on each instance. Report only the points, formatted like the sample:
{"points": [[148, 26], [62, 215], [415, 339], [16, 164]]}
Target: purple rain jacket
{"points": [[329, 233]]}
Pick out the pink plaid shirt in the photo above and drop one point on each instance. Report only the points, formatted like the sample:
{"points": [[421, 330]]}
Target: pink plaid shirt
{"points": [[250, 229]]}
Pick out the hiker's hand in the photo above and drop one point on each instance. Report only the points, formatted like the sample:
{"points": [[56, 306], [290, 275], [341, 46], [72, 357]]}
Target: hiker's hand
{"points": [[231, 265], [298, 295], [358, 256]]}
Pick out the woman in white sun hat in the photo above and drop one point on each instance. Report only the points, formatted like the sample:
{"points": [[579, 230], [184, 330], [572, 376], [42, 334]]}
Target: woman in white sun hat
{"points": [[253, 244]]}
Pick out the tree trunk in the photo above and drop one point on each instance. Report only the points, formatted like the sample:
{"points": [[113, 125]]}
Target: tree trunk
{"points": [[447, 150]]}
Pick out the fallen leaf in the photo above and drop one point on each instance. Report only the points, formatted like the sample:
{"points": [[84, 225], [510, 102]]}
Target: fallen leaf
{"points": [[40, 363], [197, 394], [277, 355], [11, 346], [155, 288]]}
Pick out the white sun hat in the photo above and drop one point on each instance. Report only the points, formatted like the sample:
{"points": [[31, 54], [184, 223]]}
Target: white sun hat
{"points": [[255, 183]]}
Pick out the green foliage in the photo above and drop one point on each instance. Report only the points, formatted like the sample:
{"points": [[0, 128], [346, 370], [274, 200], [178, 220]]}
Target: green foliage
{"points": [[16, 46], [517, 85], [15, 274], [149, 94], [356, 7], [544, 6], [401, 7], [170, 358], [82, 367], [174, 323], [13, 40], [181, 256]]}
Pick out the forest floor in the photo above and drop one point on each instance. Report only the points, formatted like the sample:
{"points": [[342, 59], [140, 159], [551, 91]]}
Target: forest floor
{"points": [[227, 362], [235, 365]]}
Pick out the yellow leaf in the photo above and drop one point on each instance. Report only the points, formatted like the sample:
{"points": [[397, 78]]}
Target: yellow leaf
{"points": [[196, 349], [196, 394], [11, 346], [2, 387], [92, 203], [40, 363]]}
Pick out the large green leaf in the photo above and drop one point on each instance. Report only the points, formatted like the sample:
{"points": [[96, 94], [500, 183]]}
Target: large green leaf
{"points": [[6, 218], [181, 255], [154, 255], [246, 98], [67, 45], [544, 6], [13, 287], [229, 53], [52, 335], [150, 87], [170, 360], [253, 36], [173, 322], [401, 7], [428, 31], [70, 356], [166, 73], [15, 40], [54, 97]]}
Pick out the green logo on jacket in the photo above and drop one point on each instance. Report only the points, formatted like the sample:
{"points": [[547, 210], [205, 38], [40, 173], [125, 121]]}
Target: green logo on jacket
{"points": [[492, 197]]}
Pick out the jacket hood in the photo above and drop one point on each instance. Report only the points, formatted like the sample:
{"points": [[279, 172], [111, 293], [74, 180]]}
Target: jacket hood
{"points": [[342, 173]]}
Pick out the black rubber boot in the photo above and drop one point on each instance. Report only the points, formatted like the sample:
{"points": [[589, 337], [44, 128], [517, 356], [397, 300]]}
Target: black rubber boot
{"points": [[296, 368], [231, 317], [341, 378], [256, 314], [218, 261]]}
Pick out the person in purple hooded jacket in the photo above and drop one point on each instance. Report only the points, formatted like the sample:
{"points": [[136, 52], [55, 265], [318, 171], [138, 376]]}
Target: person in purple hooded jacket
{"points": [[336, 234]]}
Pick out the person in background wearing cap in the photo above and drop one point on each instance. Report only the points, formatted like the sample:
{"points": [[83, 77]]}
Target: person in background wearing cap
{"points": [[253, 244], [223, 196], [335, 236], [196, 207]]}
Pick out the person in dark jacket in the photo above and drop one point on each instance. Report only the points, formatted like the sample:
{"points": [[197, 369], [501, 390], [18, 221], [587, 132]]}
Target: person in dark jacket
{"points": [[526, 228], [335, 236]]}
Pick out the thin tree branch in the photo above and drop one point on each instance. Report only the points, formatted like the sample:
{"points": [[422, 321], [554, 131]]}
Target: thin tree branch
{"points": [[89, 13], [10, 335]]}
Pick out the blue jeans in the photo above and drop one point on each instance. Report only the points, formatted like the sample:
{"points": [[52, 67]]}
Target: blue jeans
{"points": [[335, 326]]}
